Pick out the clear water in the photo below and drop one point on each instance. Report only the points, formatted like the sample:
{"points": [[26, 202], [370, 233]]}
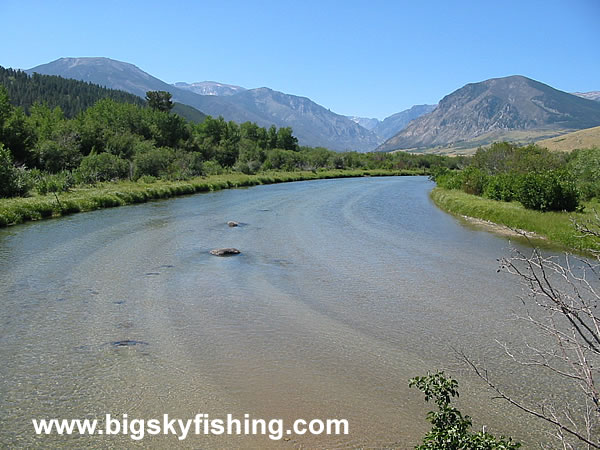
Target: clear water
{"points": [[344, 290]]}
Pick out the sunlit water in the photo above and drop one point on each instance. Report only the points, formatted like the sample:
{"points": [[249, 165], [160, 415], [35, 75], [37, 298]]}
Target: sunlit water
{"points": [[344, 290]]}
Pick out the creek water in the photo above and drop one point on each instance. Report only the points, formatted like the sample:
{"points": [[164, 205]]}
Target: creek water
{"points": [[343, 291]]}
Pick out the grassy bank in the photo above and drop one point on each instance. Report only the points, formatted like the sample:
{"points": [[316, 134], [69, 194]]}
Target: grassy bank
{"points": [[107, 195], [557, 227]]}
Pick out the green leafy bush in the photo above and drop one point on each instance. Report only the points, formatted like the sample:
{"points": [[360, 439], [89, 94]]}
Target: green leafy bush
{"points": [[503, 187], [102, 167], [59, 182], [155, 162], [473, 180], [56, 157], [553, 190], [450, 429], [13, 181]]}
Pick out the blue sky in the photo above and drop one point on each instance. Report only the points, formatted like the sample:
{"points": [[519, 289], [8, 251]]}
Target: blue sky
{"points": [[367, 58]]}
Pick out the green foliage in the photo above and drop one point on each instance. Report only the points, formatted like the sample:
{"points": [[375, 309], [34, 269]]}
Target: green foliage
{"points": [[450, 429], [554, 190], [56, 156], [51, 183], [473, 180], [585, 167], [154, 161], [13, 181], [503, 187], [159, 100], [504, 157], [102, 167], [186, 165], [540, 180]]}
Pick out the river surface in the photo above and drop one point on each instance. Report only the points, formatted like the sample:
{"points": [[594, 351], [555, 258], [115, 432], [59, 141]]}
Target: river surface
{"points": [[343, 291]]}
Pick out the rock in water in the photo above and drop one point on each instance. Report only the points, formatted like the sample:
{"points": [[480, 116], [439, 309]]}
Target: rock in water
{"points": [[231, 223], [225, 251]]}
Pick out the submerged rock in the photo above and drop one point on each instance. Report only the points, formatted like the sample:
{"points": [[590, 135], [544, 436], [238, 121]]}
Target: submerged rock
{"points": [[127, 343], [231, 223], [225, 251]]}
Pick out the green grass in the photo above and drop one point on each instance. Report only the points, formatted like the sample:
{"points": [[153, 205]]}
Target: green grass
{"points": [[106, 195], [557, 227]]}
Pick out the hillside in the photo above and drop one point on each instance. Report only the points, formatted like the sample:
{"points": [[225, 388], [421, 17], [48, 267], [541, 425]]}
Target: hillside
{"points": [[71, 96], [513, 108], [313, 124], [588, 138]]}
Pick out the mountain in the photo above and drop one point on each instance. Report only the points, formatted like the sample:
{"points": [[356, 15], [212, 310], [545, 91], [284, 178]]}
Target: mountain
{"points": [[365, 122], [313, 124], [510, 108], [593, 95], [397, 122], [210, 88]]}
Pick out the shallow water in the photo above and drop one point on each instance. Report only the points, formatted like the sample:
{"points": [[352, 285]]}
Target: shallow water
{"points": [[344, 290]]}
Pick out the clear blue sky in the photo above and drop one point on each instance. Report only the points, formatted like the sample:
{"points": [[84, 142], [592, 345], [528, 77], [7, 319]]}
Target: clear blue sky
{"points": [[367, 58]]}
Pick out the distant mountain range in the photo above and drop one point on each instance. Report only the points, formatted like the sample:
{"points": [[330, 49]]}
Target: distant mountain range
{"points": [[313, 124], [513, 108], [388, 127]]}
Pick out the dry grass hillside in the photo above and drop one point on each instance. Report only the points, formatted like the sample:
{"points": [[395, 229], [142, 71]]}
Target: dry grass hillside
{"points": [[588, 138]]}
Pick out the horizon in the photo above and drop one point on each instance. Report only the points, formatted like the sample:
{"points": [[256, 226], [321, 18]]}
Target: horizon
{"points": [[332, 55]]}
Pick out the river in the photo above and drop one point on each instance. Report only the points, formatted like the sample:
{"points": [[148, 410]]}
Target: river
{"points": [[343, 291]]}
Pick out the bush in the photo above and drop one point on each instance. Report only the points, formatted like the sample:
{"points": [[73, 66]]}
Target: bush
{"points": [[502, 187], [186, 165], [13, 181], [155, 162], [102, 167], [585, 166], [450, 429], [55, 157], [548, 191], [59, 182], [473, 180], [212, 167]]}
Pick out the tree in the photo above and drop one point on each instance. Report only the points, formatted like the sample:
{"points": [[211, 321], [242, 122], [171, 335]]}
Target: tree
{"points": [[159, 100], [562, 305], [450, 429]]}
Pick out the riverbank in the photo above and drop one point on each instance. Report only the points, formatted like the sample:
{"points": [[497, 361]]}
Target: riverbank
{"points": [[503, 217], [111, 194]]}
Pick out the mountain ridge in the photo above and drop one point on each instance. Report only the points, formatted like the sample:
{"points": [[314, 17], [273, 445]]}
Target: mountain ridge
{"points": [[494, 108], [313, 124]]}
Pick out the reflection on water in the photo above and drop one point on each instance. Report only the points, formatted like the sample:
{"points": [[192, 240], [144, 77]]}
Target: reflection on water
{"points": [[344, 290]]}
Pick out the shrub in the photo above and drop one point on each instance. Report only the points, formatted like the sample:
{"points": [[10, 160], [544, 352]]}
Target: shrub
{"points": [[585, 166], [13, 181], [55, 157], [450, 429], [553, 190], [102, 167], [186, 165], [59, 182], [212, 167], [155, 162], [502, 187], [473, 180]]}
